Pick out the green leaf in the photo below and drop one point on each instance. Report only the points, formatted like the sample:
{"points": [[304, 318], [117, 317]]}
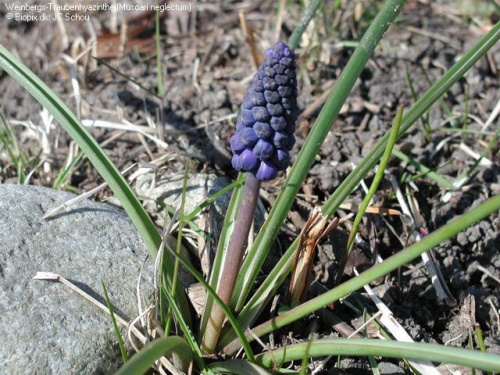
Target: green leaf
{"points": [[118, 334], [387, 349], [423, 169], [146, 357]]}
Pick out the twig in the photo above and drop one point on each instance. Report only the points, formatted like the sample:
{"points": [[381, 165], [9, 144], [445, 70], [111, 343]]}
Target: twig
{"points": [[71, 202], [488, 273]]}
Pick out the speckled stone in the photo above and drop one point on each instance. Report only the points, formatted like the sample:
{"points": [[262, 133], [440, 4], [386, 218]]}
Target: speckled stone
{"points": [[46, 328]]}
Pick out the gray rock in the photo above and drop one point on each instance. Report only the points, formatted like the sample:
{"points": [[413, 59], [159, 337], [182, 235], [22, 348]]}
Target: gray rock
{"points": [[46, 328]]}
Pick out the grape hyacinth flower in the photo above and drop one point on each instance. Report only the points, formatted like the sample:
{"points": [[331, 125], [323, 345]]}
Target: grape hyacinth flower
{"points": [[265, 125], [260, 145]]}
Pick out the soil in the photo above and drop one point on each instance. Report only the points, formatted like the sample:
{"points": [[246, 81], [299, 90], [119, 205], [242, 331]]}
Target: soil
{"points": [[207, 63]]}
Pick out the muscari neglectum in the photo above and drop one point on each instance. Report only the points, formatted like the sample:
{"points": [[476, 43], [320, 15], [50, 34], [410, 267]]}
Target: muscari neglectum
{"points": [[260, 146]]}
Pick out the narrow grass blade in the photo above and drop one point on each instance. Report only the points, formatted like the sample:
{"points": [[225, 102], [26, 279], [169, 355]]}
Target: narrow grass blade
{"points": [[127, 77], [294, 40], [188, 334], [147, 356], [305, 357], [9, 142], [66, 171], [423, 169], [371, 359], [8, 139], [485, 152], [386, 349], [373, 188], [442, 103], [118, 334], [95, 154], [425, 117], [379, 270], [178, 247], [171, 209], [211, 199]]}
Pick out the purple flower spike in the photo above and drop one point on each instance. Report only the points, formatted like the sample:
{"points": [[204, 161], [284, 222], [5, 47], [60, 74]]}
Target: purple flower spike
{"points": [[263, 130], [267, 118]]}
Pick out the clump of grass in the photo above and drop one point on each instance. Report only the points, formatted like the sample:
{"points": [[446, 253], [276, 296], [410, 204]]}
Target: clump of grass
{"points": [[246, 304], [12, 151]]}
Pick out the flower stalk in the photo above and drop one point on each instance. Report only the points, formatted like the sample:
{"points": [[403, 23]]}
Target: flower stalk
{"points": [[232, 262], [260, 146]]}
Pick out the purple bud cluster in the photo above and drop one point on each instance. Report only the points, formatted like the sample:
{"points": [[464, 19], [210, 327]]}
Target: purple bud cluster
{"points": [[265, 125]]}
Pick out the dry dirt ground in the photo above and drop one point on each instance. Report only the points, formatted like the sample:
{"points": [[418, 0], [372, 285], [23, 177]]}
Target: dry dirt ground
{"points": [[207, 61]]}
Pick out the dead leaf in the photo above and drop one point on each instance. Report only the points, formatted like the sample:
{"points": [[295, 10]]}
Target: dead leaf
{"points": [[311, 234]]}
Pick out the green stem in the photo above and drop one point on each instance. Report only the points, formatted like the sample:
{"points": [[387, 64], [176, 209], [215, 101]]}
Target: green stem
{"points": [[232, 261]]}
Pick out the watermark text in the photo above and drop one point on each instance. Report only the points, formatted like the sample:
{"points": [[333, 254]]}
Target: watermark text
{"points": [[25, 12]]}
